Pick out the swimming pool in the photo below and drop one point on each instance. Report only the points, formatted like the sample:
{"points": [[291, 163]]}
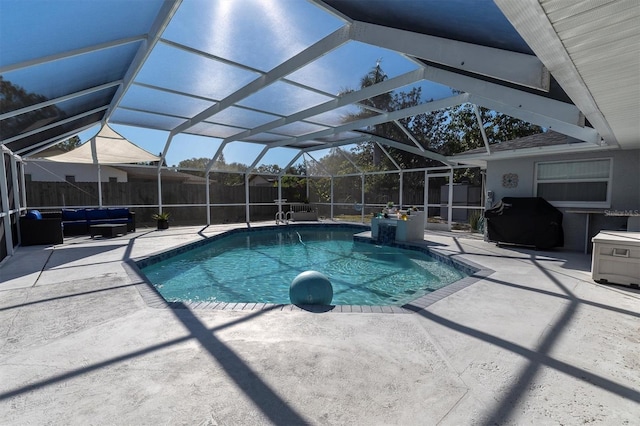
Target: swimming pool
{"points": [[259, 265]]}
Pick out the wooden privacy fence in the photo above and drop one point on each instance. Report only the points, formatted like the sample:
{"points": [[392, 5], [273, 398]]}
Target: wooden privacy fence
{"points": [[143, 195], [82, 194], [45, 195]]}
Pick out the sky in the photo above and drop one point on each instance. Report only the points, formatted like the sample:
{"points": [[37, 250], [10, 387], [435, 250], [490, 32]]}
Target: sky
{"points": [[334, 72]]}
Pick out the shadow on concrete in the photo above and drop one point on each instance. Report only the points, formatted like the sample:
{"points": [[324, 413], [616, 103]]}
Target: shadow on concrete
{"points": [[573, 260], [526, 254], [24, 262], [201, 232], [69, 254], [129, 250], [33, 259], [564, 296], [67, 296], [502, 413], [265, 398]]}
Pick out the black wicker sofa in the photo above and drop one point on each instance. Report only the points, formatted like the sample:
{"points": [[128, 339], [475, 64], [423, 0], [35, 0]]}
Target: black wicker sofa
{"points": [[79, 221]]}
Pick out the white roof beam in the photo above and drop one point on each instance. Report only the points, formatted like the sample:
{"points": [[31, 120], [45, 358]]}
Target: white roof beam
{"points": [[72, 53], [41, 146], [241, 66], [518, 68], [379, 119], [346, 99], [416, 151], [344, 154], [534, 115], [562, 117], [52, 125], [408, 134], [380, 140], [322, 47], [334, 144], [257, 160], [146, 111], [290, 163], [58, 100], [172, 91], [215, 156], [331, 10], [382, 148], [476, 110], [524, 100], [320, 164], [169, 8]]}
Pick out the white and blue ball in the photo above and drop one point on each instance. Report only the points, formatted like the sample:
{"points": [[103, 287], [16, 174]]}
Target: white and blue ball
{"points": [[311, 288]]}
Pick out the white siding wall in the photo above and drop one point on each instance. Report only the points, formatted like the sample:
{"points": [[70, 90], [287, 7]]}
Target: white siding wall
{"points": [[49, 171], [625, 189]]}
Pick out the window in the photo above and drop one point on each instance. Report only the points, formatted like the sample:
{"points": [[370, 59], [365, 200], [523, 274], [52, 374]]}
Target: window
{"points": [[582, 183], [113, 180], [70, 178], [27, 177]]}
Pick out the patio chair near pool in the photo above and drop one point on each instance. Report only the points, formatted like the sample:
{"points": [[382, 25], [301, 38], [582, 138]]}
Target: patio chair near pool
{"points": [[40, 228]]}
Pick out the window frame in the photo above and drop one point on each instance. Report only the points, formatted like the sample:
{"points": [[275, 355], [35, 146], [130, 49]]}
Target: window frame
{"points": [[583, 204]]}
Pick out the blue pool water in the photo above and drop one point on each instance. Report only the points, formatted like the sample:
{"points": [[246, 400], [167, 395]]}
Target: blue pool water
{"points": [[258, 266]]}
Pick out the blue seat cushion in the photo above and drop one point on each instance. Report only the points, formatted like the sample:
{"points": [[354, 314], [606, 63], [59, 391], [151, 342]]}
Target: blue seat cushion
{"points": [[97, 214], [73, 215], [118, 213], [34, 214]]}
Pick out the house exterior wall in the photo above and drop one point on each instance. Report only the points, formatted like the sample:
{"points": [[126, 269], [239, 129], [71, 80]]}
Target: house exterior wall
{"points": [[625, 194], [49, 171]]}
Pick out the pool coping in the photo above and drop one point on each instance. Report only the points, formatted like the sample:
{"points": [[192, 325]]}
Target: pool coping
{"points": [[152, 297]]}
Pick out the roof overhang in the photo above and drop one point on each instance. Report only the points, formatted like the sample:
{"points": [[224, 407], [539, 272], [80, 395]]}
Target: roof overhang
{"points": [[592, 49]]}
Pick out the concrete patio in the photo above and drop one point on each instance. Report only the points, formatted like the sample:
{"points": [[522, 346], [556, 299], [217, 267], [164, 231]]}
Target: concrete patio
{"points": [[536, 342]]}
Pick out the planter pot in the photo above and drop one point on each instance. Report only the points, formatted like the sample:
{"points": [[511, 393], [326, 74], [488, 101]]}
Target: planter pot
{"points": [[163, 224]]}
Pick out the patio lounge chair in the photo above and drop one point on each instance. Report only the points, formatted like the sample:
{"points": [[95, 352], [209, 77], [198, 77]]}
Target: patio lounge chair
{"points": [[38, 228]]}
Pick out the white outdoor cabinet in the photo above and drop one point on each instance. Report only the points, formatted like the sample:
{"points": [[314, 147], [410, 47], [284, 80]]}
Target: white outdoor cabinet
{"points": [[616, 258]]}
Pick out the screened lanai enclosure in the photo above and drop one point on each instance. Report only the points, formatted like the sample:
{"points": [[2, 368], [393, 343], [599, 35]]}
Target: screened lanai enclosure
{"points": [[334, 107]]}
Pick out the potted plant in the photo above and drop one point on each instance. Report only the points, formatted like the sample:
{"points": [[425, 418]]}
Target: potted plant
{"points": [[389, 208], [162, 219], [474, 220]]}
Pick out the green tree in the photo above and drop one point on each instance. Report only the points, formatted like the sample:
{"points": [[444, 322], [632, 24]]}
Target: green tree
{"points": [[370, 107], [13, 97], [69, 144], [463, 133], [447, 131], [194, 163], [199, 163], [464, 130], [270, 169]]}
